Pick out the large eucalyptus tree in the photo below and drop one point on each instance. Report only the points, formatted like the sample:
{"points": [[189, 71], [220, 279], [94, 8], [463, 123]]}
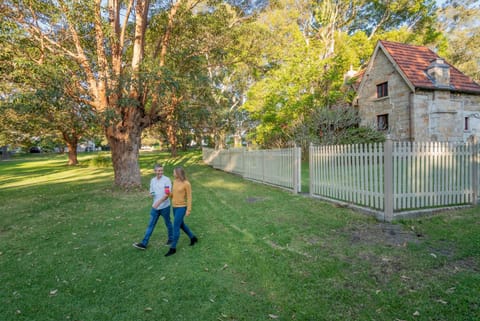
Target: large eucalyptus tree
{"points": [[125, 81]]}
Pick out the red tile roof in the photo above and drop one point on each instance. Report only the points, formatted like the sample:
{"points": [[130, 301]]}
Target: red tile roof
{"points": [[413, 61]]}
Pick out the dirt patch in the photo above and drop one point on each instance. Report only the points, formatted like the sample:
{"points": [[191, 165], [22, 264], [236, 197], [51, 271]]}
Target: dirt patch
{"points": [[383, 233], [254, 199], [452, 266], [466, 264]]}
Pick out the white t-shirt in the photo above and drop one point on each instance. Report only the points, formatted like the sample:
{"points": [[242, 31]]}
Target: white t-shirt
{"points": [[157, 189]]}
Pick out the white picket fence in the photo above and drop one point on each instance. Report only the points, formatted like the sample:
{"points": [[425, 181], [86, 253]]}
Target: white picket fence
{"points": [[396, 179], [390, 180], [348, 173], [279, 167]]}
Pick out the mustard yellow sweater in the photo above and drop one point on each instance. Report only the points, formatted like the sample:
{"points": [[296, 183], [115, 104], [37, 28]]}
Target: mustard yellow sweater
{"points": [[182, 194]]}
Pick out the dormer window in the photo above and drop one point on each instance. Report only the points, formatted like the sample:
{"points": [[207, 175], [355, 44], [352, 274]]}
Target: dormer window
{"points": [[439, 72], [382, 90]]}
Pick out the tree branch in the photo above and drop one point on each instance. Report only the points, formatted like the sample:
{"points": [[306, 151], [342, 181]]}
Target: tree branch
{"points": [[80, 56], [101, 56]]}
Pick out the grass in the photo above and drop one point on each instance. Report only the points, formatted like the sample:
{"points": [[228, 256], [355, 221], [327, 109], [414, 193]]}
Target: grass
{"points": [[264, 254]]}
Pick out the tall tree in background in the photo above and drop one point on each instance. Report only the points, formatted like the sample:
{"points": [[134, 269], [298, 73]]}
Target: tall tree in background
{"points": [[57, 115], [311, 47], [209, 52], [199, 45], [44, 99], [459, 21]]}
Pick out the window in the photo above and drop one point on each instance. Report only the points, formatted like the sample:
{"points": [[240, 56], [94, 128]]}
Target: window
{"points": [[466, 124], [382, 90], [382, 122]]}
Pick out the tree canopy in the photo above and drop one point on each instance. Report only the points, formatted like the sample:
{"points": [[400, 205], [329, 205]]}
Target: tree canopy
{"points": [[270, 72]]}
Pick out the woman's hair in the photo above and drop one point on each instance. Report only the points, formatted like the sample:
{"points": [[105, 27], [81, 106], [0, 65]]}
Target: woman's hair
{"points": [[180, 172]]}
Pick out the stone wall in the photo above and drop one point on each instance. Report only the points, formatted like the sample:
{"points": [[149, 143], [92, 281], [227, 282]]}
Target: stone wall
{"points": [[396, 104], [440, 116]]}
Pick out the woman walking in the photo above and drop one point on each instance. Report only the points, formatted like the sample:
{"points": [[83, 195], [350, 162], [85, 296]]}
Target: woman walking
{"points": [[182, 206]]}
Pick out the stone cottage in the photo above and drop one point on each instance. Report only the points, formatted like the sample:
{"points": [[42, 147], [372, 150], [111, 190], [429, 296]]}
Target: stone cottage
{"points": [[414, 95]]}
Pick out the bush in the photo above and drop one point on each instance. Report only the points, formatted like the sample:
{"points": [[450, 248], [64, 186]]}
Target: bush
{"points": [[341, 125], [361, 135], [101, 161]]}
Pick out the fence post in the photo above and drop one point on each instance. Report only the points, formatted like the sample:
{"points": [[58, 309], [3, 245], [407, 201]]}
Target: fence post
{"points": [[388, 180], [244, 169], [475, 160], [311, 169], [297, 168], [263, 165]]}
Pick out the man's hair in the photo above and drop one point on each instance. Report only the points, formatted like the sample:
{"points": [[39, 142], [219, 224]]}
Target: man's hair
{"points": [[157, 166]]}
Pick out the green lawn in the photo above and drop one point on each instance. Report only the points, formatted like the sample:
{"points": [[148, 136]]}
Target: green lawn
{"points": [[263, 254]]}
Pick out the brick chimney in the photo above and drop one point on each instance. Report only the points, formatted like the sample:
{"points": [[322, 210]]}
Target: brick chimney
{"points": [[439, 73]]}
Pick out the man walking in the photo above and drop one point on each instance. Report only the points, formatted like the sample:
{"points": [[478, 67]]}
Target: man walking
{"points": [[160, 187]]}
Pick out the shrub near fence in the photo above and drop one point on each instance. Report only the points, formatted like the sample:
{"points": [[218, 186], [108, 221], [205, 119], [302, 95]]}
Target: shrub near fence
{"points": [[396, 179], [278, 167]]}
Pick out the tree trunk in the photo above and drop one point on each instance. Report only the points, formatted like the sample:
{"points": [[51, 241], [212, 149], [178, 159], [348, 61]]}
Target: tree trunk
{"points": [[219, 137], [171, 127], [199, 138], [72, 153], [5, 152], [172, 139], [237, 141], [71, 139], [124, 139], [185, 142]]}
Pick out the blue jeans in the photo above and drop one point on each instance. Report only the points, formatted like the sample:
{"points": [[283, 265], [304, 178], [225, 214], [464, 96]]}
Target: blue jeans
{"points": [[154, 215], [178, 215]]}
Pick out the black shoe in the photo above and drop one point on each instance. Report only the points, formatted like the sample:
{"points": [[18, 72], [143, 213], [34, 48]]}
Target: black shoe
{"points": [[193, 240], [139, 246], [171, 251]]}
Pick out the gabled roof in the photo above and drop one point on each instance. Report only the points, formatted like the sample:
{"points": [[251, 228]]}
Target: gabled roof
{"points": [[412, 63]]}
